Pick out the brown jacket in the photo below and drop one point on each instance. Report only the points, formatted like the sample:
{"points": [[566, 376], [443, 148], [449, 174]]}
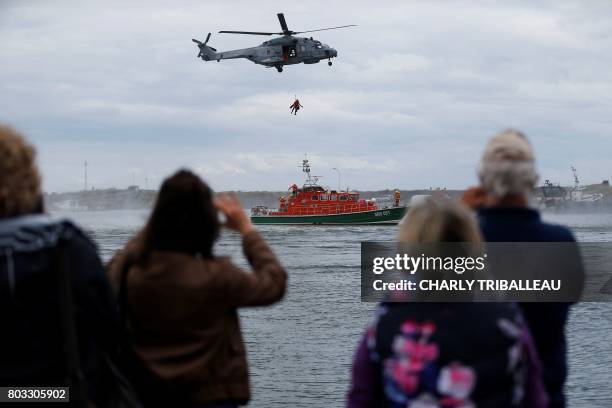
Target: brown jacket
{"points": [[183, 313]]}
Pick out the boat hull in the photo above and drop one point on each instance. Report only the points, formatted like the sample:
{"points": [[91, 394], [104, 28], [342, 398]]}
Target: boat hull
{"points": [[383, 216]]}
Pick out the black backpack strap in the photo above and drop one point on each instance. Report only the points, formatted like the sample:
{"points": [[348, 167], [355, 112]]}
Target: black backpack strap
{"points": [[74, 376]]}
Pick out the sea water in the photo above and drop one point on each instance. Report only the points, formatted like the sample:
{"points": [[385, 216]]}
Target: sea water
{"points": [[300, 350]]}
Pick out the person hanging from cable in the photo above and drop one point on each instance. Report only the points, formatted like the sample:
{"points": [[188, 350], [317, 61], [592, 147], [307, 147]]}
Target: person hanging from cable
{"points": [[295, 106]]}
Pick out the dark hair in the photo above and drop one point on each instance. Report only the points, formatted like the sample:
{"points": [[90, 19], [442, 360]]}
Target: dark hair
{"points": [[184, 218]]}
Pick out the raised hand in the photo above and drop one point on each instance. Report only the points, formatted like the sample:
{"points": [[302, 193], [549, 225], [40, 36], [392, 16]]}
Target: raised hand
{"points": [[236, 218]]}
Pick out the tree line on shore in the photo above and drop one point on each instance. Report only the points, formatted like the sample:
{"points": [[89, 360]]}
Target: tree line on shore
{"points": [[136, 198]]}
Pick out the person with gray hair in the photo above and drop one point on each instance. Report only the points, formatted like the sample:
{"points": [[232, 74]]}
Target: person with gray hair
{"points": [[508, 176], [507, 168]]}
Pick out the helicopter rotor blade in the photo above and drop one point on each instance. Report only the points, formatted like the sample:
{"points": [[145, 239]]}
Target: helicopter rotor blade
{"points": [[199, 46], [323, 29], [248, 32], [283, 22], [207, 38]]}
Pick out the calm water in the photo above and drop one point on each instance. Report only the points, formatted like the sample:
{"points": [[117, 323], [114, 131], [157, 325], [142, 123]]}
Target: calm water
{"points": [[300, 350]]}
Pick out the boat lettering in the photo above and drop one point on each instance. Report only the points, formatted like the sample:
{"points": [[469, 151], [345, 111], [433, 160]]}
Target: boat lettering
{"points": [[382, 213]]}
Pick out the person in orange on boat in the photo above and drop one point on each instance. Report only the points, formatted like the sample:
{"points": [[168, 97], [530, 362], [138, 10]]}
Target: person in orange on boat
{"points": [[295, 106], [294, 189], [396, 198]]}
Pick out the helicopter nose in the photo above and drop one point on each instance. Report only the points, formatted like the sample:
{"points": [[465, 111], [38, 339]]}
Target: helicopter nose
{"points": [[331, 52]]}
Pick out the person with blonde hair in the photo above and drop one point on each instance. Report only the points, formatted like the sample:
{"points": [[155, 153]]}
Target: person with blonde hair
{"points": [[464, 354], [434, 221], [508, 176], [56, 306]]}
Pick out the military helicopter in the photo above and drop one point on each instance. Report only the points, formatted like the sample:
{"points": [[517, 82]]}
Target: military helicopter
{"points": [[277, 52]]}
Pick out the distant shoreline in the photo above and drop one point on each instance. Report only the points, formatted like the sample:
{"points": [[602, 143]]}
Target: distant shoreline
{"points": [[135, 198]]}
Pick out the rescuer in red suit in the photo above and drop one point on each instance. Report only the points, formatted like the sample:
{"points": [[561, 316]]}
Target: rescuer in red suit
{"points": [[295, 106]]}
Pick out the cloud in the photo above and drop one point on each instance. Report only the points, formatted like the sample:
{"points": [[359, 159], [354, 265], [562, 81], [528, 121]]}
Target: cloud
{"points": [[416, 89]]}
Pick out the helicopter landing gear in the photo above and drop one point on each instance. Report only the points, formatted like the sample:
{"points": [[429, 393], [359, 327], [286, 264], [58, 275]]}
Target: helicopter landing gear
{"points": [[329, 62], [279, 68]]}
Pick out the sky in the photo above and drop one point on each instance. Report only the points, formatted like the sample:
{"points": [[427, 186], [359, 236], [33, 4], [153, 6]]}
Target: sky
{"points": [[416, 90]]}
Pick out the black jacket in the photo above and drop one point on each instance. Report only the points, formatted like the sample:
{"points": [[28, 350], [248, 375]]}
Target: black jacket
{"points": [[32, 341], [546, 321]]}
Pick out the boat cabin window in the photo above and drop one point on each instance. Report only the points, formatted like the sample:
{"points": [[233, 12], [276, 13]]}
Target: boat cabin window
{"points": [[353, 198], [323, 198], [342, 198], [333, 197], [315, 198]]}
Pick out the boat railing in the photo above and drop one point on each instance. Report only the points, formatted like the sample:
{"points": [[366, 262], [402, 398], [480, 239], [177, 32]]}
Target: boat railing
{"points": [[329, 210]]}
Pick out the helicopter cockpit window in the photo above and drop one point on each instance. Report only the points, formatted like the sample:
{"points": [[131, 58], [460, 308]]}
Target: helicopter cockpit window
{"points": [[318, 44]]}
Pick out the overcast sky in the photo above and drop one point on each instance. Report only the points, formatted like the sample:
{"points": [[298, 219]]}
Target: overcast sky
{"points": [[416, 90]]}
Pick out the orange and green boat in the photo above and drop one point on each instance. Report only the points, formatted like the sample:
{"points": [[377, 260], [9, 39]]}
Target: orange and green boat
{"points": [[315, 205]]}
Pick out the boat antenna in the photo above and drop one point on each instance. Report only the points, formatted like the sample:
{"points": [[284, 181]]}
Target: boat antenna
{"points": [[306, 169], [310, 180], [576, 181]]}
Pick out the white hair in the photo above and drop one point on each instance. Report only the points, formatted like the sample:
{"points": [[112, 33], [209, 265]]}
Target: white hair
{"points": [[508, 166]]}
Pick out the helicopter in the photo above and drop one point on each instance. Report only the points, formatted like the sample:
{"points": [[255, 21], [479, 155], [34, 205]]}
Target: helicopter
{"points": [[277, 52]]}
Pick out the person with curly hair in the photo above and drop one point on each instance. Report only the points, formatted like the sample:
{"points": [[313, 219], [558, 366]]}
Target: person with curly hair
{"points": [[20, 191], [56, 306]]}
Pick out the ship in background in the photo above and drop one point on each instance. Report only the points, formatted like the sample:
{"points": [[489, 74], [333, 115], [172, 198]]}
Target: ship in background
{"points": [[555, 197], [316, 205]]}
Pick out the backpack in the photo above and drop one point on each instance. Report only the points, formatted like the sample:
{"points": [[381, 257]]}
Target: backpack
{"points": [[30, 234]]}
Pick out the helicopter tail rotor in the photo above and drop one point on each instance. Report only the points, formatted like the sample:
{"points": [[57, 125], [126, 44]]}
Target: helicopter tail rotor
{"points": [[203, 47], [206, 42]]}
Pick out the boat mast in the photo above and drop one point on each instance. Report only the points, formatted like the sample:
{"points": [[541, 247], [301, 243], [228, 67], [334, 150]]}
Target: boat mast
{"points": [[576, 181], [310, 180]]}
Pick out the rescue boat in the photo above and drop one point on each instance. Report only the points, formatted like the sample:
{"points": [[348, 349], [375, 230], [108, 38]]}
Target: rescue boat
{"points": [[316, 205]]}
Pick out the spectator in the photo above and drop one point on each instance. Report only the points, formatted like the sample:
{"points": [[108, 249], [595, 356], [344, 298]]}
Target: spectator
{"points": [[445, 354], [56, 306], [507, 178], [183, 300]]}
